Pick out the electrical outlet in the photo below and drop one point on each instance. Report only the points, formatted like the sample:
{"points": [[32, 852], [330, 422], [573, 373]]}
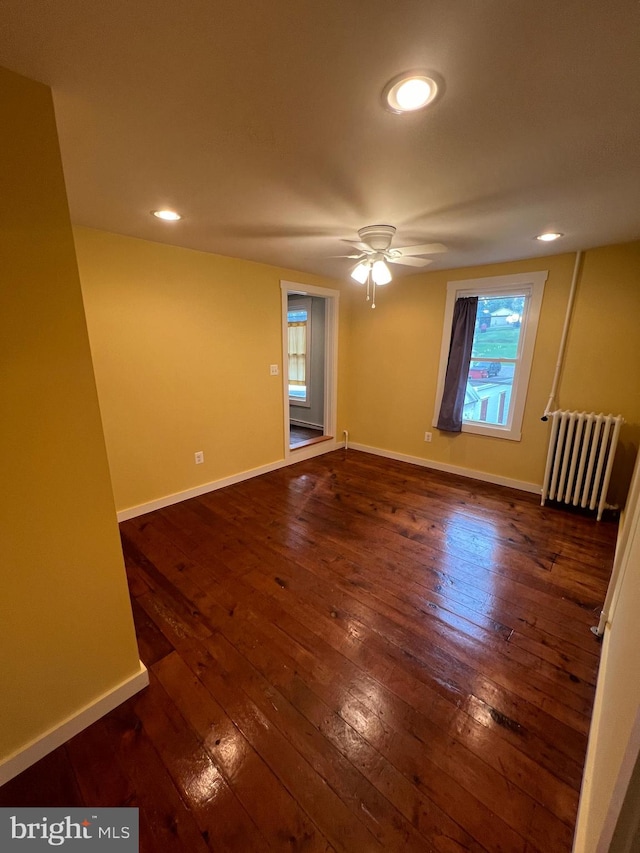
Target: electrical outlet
{"points": [[427, 436], [199, 457], [273, 369]]}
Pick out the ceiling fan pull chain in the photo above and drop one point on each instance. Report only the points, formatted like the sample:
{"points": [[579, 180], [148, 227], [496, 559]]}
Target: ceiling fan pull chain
{"points": [[373, 304], [368, 283]]}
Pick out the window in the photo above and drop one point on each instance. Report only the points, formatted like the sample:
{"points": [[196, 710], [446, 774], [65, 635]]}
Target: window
{"points": [[503, 341], [299, 350]]}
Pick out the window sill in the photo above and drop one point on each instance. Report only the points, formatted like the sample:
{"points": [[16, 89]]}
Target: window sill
{"points": [[492, 431]]}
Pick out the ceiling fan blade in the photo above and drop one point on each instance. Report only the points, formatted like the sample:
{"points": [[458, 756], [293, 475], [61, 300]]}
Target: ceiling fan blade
{"points": [[363, 247], [354, 257], [423, 249], [411, 262]]}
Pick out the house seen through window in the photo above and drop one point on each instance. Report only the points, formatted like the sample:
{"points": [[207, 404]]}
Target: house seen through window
{"points": [[494, 359], [501, 355]]}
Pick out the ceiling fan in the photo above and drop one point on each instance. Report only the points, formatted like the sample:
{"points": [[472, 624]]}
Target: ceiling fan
{"points": [[375, 253]]}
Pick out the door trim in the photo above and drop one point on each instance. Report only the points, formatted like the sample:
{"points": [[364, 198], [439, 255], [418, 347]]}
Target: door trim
{"points": [[332, 303]]}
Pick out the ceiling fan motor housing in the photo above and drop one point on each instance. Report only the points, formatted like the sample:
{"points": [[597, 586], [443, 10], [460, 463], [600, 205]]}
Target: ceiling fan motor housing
{"points": [[379, 237]]}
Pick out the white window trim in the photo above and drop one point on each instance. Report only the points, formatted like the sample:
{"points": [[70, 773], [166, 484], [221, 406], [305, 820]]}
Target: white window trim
{"points": [[532, 284], [305, 303]]}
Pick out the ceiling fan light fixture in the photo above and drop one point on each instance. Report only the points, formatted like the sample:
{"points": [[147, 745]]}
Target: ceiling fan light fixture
{"points": [[167, 215], [360, 272], [410, 91], [549, 236], [376, 253], [380, 273]]}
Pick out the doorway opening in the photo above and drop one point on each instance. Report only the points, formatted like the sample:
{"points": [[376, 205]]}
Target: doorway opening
{"points": [[309, 357]]}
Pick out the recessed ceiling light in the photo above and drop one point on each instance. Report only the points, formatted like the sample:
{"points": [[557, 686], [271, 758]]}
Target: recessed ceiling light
{"points": [[549, 236], [411, 91], [167, 215]]}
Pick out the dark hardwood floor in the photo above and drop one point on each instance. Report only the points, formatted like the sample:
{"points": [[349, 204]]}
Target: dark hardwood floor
{"points": [[301, 436], [350, 654]]}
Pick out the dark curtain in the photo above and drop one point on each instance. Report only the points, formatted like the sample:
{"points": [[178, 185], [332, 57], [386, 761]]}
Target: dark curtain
{"points": [[455, 381]]}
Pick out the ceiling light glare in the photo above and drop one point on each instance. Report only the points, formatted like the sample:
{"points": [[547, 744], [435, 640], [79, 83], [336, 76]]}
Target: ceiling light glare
{"points": [[413, 94], [380, 273], [549, 236], [360, 273], [167, 215], [410, 92]]}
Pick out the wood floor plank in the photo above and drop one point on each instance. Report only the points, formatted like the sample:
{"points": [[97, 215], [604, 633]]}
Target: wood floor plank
{"points": [[403, 551], [199, 780], [567, 734], [442, 589], [101, 779], [564, 689], [249, 643], [282, 822], [452, 765], [460, 767], [52, 781], [513, 526], [166, 823], [152, 644], [350, 654], [365, 803]]}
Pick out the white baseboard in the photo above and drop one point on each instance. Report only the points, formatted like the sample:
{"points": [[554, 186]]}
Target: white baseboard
{"points": [[522, 485], [308, 424], [177, 497], [319, 449], [291, 458], [73, 725]]}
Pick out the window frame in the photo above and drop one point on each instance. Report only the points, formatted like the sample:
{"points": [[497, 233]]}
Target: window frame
{"points": [[519, 284], [302, 303]]}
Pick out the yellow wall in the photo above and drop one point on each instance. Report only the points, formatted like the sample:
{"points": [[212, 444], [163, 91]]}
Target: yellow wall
{"points": [[66, 633], [395, 353], [603, 353], [182, 342]]}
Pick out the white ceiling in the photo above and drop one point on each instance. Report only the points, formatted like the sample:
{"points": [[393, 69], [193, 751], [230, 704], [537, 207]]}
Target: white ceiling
{"points": [[262, 122]]}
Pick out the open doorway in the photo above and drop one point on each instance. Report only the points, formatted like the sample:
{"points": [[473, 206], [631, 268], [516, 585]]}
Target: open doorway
{"points": [[309, 358], [306, 317]]}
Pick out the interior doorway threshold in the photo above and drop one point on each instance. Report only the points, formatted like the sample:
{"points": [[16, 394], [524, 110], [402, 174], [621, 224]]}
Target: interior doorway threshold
{"points": [[310, 441]]}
